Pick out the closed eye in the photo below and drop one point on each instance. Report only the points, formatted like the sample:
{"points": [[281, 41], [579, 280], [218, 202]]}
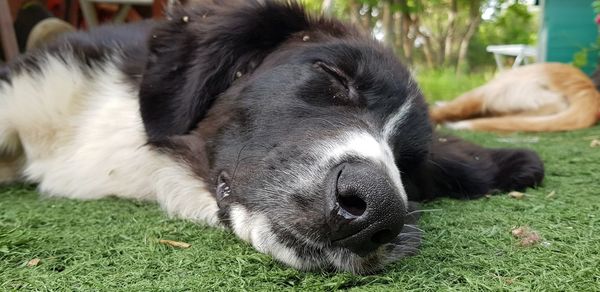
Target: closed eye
{"points": [[345, 91], [334, 72]]}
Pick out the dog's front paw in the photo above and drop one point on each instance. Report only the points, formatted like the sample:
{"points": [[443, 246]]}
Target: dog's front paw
{"points": [[518, 169]]}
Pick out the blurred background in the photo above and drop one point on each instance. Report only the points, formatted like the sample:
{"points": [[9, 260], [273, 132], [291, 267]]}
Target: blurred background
{"points": [[455, 45], [452, 45]]}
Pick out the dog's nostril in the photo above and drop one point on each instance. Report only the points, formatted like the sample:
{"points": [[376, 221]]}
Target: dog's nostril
{"points": [[383, 236], [352, 204]]}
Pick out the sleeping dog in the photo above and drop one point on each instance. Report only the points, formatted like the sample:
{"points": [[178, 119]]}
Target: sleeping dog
{"points": [[535, 98], [303, 136]]}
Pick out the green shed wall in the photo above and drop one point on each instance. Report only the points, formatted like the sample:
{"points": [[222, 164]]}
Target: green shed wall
{"points": [[568, 26]]}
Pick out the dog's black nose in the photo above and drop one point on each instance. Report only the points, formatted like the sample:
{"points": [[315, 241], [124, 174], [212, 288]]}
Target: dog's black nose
{"points": [[365, 210]]}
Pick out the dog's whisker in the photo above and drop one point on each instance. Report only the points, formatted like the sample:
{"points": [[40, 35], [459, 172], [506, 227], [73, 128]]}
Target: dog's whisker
{"points": [[414, 227], [423, 211], [410, 233]]}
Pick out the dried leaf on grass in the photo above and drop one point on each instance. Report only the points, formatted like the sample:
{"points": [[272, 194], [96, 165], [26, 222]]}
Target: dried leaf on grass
{"points": [[173, 243], [518, 232], [527, 236], [531, 239], [33, 262]]}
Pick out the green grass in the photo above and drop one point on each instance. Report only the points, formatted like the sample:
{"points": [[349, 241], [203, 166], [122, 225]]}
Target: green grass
{"points": [[111, 244], [445, 84]]}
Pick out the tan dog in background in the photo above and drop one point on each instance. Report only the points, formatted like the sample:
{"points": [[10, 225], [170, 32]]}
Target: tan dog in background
{"points": [[537, 97]]}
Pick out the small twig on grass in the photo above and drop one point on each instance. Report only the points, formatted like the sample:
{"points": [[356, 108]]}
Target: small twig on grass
{"points": [[173, 243]]}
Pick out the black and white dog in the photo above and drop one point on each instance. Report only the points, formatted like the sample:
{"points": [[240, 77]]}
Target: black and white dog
{"points": [[300, 134]]}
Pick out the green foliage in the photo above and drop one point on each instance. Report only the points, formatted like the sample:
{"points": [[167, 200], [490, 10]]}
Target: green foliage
{"points": [[510, 24], [581, 58], [312, 5], [514, 25], [596, 6], [340, 8], [444, 84]]}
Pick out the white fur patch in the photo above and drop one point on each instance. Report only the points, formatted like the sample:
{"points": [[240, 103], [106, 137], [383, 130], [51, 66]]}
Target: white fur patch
{"points": [[83, 138], [509, 94], [256, 230], [239, 222], [397, 119], [184, 195]]}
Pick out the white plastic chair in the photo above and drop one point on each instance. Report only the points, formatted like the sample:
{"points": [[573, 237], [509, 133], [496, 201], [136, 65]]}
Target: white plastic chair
{"points": [[522, 53]]}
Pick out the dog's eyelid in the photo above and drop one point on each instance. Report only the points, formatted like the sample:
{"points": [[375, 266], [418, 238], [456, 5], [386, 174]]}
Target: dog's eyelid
{"points": [[334, 71]]}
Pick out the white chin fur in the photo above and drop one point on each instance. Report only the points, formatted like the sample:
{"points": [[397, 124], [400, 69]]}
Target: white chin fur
{"points": [[256, 230]]}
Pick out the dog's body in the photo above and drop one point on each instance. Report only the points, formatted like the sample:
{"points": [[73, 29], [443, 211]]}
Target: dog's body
{"points": [[247, 115], [537, 97]]}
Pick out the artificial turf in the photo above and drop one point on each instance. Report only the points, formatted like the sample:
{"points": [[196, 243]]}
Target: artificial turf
{"points": [[112, 244]]}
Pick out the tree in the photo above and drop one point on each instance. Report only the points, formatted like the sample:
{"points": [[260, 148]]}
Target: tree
{"points": [[451, 30], [435, 33], [511, 23], [474, 21]]}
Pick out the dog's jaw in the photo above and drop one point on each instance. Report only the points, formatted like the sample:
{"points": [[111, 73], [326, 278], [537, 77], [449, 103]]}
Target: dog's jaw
{"points": [[308, 255]]}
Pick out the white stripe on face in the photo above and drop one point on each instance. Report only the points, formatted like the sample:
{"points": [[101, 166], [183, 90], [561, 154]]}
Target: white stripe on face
{"points": [[397, 119], [364, 145]]}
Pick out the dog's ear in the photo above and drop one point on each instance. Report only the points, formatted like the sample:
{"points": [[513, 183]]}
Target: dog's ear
{"points": [[196, 54]]}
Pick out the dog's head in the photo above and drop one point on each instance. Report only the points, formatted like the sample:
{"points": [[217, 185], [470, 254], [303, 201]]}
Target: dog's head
{"points": [[301, 126]]}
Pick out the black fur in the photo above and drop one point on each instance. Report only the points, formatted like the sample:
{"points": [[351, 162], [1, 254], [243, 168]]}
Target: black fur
{"points": [[27, 18], [196, 55], [301, 81], [459, 169]]}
